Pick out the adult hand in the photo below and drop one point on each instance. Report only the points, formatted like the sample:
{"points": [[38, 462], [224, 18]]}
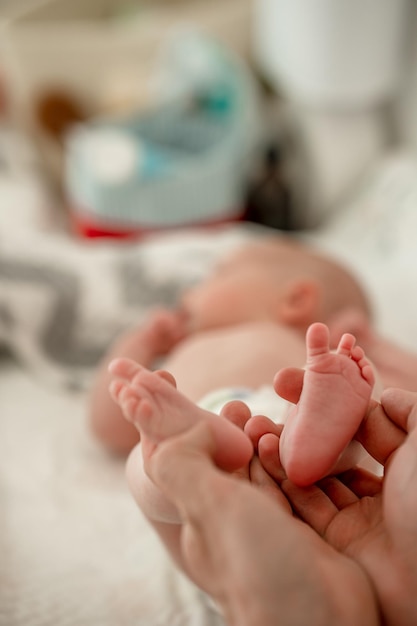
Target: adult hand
{"points": [[372, 519], [245, 548]]}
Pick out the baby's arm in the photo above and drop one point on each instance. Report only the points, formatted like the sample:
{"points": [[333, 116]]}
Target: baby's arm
{"points": [[145, 344]]}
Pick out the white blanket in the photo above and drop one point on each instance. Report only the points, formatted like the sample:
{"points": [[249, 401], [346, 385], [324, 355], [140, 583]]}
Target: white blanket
{"points": [[74, 549]]}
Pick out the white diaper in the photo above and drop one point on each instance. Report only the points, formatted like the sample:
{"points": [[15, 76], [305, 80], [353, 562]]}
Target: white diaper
{"points": [[262, 401]]}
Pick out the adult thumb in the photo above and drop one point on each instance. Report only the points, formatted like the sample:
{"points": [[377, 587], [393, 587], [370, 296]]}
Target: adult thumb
{"points": [[184, 468]]}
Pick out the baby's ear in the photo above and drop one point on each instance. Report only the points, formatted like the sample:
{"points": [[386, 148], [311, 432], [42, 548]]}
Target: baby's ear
{"points": [[300, 303]]}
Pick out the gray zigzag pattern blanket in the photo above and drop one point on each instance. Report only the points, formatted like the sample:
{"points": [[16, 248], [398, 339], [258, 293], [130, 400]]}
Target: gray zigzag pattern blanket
{"points": [[62, 300]]}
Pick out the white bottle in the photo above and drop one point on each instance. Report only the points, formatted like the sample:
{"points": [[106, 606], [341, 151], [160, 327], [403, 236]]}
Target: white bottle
{"points": [[331, 53]]}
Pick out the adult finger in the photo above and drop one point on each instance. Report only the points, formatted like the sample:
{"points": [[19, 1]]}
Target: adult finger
{"points": [[378, 434], [400, 484], [260, 477], [401, 407], [183, 468], [361, 482], [311, 504], [258, 426], [236, 412], [288, 383]]}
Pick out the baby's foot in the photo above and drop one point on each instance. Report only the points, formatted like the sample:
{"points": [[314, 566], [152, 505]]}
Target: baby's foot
{"points": [[336, 390], [151, 401], [353, 321]]}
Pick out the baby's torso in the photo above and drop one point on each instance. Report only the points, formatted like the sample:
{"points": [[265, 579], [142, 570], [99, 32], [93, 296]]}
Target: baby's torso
{"points": [[247, 355]]}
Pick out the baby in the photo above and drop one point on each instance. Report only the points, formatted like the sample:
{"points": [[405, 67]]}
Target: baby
{"points": [[233, 332], [333, 394]]}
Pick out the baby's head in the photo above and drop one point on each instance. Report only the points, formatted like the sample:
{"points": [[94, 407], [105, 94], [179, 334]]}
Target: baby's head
{"points": [[274, 279]]}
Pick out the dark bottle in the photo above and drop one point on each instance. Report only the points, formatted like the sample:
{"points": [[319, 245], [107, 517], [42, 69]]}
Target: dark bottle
{"points": [[268, 198]]}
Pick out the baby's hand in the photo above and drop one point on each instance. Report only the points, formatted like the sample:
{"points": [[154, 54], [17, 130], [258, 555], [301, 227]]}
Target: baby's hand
{"points": [[165, 328]]}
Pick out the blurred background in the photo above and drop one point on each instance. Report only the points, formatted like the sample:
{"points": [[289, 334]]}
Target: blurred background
{"points": [[124, 124], [130, 116]]}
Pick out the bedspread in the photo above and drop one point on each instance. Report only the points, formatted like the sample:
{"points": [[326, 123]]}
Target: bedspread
{"points": [[62, 300]]}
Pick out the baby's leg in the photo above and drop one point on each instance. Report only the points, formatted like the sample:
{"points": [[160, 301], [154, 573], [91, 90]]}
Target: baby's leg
{"points": [[152, 403], [336, 389]]}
